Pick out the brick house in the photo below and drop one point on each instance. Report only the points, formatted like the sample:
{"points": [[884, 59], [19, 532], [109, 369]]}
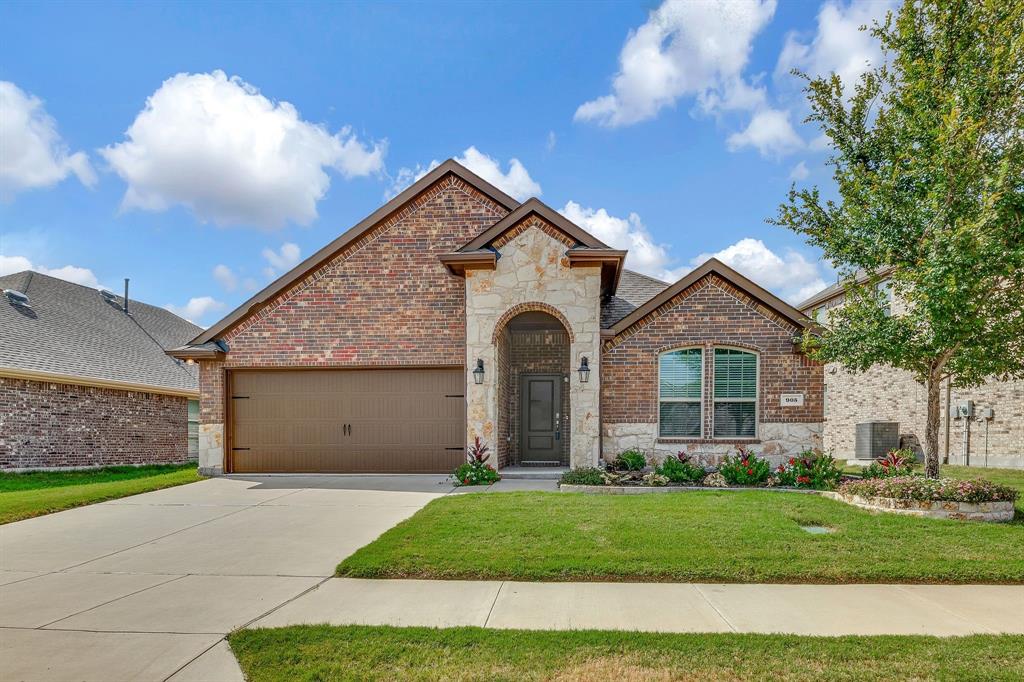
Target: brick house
{"points": [[85, 380], [455, 312], [894, 395]]}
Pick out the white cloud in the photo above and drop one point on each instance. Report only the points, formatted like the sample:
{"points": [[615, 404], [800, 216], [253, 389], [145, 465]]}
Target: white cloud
{"points": [[552, 141], [220, 148], [282, 260], [799, 172], [645, 255], [839, 45], [791, 276], [197, 308], [226, 277], [71, 273], [32, 153], [686, 48], [770, 132], [516, 182]]}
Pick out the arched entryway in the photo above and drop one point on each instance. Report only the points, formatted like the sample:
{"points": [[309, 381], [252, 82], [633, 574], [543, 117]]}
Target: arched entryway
{"points": [[533, 358]]}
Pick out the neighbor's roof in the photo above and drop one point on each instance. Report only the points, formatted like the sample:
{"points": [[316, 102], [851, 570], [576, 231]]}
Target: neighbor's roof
{"points": [[634, 290], [71, 331], [830, 292]]}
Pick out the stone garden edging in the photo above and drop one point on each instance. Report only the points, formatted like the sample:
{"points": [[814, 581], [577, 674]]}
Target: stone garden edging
{"points": [[962, 511], [932, 509]]}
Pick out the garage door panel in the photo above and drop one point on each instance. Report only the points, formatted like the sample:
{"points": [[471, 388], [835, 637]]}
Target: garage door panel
{"points": [[398, 420]]}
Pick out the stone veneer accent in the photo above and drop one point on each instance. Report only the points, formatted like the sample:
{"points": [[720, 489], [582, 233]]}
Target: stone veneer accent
{"points": [[533, 273], [707, 314], [777, 442], [45, 425]]}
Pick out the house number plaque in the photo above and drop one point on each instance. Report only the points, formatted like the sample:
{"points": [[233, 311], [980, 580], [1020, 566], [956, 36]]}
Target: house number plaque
{"points": [[791, 399]]}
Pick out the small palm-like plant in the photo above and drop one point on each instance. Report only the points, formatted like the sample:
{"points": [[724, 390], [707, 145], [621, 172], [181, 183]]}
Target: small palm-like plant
{"points": [[478, 452]]}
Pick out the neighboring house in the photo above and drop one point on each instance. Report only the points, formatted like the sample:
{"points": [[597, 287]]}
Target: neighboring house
{"points": [[85, 383], [886, 393], [455, 312]]}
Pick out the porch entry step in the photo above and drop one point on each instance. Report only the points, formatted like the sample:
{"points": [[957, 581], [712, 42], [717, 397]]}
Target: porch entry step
{"points": [[547, 473]]}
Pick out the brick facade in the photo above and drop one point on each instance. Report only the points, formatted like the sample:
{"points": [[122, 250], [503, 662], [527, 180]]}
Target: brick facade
{"points": [[44, 425], [384, 300], [709, 313]]}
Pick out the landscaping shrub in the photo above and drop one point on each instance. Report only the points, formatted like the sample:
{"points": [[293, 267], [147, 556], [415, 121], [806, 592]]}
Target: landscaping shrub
{"points": [[745, 468], [896, 462], [924, 489], [582, 476], [476, 470], [630, 460], [715, 480], [655, 479], [680, 469], [810, 469]]}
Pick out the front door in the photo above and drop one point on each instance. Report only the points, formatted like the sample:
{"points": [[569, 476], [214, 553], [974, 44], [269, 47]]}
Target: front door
{"points": [[540, 400]]}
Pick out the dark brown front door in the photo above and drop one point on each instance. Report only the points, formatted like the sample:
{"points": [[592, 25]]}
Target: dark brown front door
{"points": [[540, 398], [348, 420]]}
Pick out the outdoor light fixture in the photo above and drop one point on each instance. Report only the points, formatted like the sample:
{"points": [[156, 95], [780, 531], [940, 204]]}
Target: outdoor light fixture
{"points": [[478, 373], [584, 370]]}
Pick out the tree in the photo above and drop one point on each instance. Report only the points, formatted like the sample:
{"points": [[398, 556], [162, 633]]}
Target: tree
{"points": [[928, 157]]}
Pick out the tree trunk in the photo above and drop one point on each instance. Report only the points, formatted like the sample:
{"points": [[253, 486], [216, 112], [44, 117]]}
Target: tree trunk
{"points": [[931, 430]]}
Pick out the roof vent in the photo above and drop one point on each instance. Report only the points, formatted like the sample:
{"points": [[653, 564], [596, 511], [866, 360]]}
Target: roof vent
{"points": [[108, 296], [17, 298]]}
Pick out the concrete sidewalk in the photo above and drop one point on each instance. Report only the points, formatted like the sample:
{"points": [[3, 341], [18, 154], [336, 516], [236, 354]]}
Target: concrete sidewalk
{"points": [[830, 610]]}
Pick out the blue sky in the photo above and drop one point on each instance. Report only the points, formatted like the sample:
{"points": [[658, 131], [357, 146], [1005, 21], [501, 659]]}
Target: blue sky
{"points": [[202, 149]]}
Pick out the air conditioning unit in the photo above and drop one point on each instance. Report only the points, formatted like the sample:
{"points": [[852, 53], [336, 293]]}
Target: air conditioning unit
{"points": [[875, 438]]}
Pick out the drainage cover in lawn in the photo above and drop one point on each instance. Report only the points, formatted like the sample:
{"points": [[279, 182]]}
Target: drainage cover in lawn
{"points": [[816, 530]]}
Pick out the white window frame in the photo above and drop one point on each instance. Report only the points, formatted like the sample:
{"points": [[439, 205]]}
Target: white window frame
{"points": [[756, 399], [703, 359], [885, 289]]}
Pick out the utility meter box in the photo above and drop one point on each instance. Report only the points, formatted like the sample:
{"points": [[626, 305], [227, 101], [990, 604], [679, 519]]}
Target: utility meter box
{"points": [[965, 409]]}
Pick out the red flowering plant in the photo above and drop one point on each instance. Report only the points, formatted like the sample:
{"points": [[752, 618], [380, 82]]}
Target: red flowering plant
{"points": [[810, 469], [476, 470], [745, 468], [896, 462]]}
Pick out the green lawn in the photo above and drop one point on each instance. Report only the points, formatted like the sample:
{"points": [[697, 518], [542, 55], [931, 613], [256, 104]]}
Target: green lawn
{"points": [[712, 536], [323, 652], [33, 494]]}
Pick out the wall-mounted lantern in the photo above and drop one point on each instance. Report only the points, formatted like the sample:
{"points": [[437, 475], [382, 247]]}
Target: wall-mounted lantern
{"points": [[478, 373], [584, 370]]}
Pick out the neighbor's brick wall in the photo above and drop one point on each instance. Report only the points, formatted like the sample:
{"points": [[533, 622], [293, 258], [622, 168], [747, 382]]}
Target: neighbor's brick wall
{"points": [[537, 352], [45, 424], [710, 313], [892, 394]]}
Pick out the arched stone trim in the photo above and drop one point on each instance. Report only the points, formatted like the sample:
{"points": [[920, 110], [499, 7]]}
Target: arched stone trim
{"points": [[533, 306]]}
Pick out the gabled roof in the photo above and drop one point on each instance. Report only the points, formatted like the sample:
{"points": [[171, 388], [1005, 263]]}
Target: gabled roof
{"points": [[354, 233], [71, 332], [534, 206], [717, 267]]}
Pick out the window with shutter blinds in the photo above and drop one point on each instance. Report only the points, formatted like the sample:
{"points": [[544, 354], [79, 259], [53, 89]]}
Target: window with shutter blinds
{"points": [[735, 394], [680, 390]]}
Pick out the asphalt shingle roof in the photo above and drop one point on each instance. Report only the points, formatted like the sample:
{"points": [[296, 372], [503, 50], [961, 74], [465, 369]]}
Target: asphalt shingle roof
{"points": [[634, 290], [70, 329]]}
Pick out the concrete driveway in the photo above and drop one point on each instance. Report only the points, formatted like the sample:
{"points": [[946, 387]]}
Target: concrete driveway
{"points": [[146, 587]]}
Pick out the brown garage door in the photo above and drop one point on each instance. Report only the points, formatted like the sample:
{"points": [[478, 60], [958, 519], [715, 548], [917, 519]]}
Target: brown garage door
{"points": [[348, 421]]}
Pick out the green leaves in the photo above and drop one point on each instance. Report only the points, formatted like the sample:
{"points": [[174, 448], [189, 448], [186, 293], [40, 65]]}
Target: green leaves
{"points": [[928, 152]]}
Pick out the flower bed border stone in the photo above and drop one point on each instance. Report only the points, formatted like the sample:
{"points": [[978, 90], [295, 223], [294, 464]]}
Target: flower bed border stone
{"points": [[995, 512], [992, 512]]}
